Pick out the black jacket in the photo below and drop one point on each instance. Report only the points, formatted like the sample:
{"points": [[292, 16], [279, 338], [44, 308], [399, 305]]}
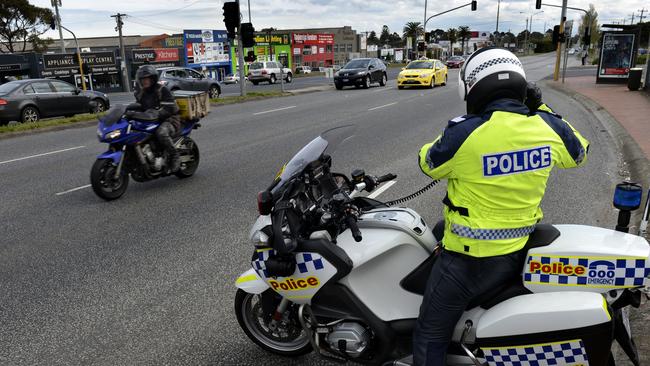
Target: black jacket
{"points": [[152, 97]]}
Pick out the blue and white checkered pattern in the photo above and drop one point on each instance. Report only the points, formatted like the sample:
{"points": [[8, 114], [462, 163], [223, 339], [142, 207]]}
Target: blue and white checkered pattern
{"points": [[569, 353], [491, 234], [626, 272], [259, 261], [309, 262]]}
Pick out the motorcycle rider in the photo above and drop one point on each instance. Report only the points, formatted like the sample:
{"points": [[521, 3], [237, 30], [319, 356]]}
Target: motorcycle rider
{"points": [[152, 95], [497, 160]]}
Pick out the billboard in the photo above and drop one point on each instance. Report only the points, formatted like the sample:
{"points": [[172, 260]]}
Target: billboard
{"points": [[206, 47], [155, 55], [616, 55]]}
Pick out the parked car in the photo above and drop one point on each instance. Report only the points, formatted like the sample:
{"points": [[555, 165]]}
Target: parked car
{"points": [[180, 78], [455, 61], [427, 73], [336, 67], [303, 70], [361, 72], [32, 99], [268, 71], [233, 79]]}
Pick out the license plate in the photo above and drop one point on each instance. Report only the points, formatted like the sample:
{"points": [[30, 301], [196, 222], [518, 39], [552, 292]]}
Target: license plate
{"points": [[346, 80]]}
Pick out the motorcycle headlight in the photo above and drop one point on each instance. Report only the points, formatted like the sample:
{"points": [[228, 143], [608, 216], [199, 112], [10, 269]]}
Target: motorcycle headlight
{"points": [[99, 133], [113, 134], [259, 239]]}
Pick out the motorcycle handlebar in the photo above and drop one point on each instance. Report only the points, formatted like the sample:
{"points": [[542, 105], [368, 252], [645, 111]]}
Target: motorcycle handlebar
{"points": [[351, 221], [386, 178]]}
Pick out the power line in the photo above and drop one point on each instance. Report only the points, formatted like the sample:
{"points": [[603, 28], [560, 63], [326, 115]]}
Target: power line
{"points": [[148, 23], [169, 11]]}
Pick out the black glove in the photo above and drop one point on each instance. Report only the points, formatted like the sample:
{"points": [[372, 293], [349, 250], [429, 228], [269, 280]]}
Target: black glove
{"points": [[533, 97]]}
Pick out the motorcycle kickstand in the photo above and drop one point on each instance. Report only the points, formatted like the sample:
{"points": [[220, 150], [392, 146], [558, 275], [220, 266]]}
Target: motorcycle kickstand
{"points": [[468, 327]]}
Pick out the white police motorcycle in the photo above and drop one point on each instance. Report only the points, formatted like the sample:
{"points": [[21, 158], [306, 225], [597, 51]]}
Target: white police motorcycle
{"points": [[344, 275]]}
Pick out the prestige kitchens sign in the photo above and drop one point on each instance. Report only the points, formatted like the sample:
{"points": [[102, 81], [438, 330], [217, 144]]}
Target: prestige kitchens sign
{"points": [[155, 55], [69, 60]]}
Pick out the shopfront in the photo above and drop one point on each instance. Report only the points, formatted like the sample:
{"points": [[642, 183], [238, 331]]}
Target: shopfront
{"points": [[18, 66], [274, 47], [315, 50], [104, 72], [157, 57], [207, 51]]}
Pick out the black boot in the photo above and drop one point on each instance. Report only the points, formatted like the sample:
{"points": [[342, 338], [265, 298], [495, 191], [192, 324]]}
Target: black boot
{"points": [[164, 134], [174, 160]]}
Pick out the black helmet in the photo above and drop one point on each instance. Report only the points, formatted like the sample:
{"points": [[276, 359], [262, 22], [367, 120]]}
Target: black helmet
{"points": [[146, 71]]}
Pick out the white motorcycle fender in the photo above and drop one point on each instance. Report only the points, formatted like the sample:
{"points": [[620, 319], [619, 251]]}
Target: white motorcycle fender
{"points": [[251, 282]]}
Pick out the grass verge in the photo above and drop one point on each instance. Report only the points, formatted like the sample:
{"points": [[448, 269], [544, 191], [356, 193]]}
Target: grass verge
{"points": [[50, 122], [249, 96]]}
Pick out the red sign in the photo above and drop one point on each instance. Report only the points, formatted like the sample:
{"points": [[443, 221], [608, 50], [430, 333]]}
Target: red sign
{"points": [[315, 39], [617, 71], [166, 54]]}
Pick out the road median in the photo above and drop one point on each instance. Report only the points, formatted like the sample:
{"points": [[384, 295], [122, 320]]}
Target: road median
{"points": [[51, 124]]}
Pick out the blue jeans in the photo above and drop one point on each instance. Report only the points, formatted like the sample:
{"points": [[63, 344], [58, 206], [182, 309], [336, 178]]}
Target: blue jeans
{"points": [[455, 280]]}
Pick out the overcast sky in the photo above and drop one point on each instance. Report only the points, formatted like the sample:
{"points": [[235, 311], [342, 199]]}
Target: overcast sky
{"points": [[147, 17]]}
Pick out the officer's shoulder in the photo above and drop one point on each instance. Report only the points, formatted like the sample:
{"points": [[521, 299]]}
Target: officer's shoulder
{"points": [[462, 120], [547, 112]]}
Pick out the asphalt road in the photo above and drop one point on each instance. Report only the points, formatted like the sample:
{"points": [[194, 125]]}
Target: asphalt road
{"points": [[149, 279]]}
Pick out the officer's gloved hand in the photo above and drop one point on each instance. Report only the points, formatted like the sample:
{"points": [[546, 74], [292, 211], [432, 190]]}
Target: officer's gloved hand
{"points": [[533, 97]]}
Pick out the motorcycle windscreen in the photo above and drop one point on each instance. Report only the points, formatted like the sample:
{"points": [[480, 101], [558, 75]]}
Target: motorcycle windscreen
{"points": [[113, 115], [311, 274]]}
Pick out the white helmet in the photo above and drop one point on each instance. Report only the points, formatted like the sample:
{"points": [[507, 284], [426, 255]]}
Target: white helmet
{"points": [[488, 74]]}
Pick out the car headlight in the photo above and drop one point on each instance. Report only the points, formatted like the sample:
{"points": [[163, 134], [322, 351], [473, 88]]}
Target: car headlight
{"points": [[423, 76], [361, 73], [113, 134]]}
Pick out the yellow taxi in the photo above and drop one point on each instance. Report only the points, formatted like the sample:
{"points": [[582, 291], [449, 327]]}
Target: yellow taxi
{"points": [[427, 73]]}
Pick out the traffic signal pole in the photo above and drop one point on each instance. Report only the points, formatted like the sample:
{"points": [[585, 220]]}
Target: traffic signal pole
{"points": [[240, 57], [558, 51], [81, 69]]}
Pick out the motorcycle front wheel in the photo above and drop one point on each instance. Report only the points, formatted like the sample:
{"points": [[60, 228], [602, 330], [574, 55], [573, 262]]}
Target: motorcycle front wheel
{"points": [[104, 182], [288, 338]]}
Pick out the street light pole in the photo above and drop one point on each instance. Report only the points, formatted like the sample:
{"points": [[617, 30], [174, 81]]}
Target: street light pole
{"points": [[81, 70], [498, 10], [56, 4]]}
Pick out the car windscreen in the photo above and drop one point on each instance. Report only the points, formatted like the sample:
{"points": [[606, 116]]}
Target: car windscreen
{"points": [[256, 66], [456, 58], [420, 65], [357, 64], [7, 88]]}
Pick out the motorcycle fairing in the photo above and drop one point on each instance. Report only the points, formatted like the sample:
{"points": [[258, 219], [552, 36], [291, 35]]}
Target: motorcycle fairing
{"points": [[251, 282], [586, 258], [570, 353]]}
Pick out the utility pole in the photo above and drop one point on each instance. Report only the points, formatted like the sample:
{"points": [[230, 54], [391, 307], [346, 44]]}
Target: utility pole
{"points": [[558, 51], [56, 4], [497, 30], [526, 39], [641, 16], [125, 76], [632, 22]]}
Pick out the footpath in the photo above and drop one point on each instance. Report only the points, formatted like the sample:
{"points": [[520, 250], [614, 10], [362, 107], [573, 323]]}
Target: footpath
{"points": [[626, 114]]}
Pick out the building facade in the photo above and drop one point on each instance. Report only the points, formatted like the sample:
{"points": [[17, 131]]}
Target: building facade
{"points": [[208, 51], [313, 49]]}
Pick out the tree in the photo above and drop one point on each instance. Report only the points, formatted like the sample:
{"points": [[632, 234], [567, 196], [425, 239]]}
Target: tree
{"points": [[413, 29], [464, 34], [452, 35], [594, 28], [439, 34], [372, 38], [22, 23], [536, 36], [395, 40], [384, 38]]}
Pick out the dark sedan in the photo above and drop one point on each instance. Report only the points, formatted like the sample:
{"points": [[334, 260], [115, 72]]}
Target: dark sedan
{"points": [[455, 61], [361, 72], [32, 99]]}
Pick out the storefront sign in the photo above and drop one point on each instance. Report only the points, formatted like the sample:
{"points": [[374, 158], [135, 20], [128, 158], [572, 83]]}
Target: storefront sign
{"points": [[155, 55], [274, 39], [174, 42], [206, 47], [313, 38], [11, 67], [616, 55], [69, 60]]}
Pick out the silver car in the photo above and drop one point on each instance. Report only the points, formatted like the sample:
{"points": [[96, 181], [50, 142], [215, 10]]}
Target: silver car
{"points": [[180, 78], [268, 71]]}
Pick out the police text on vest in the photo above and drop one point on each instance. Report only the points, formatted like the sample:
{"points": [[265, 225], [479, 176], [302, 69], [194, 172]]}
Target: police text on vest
{"points": [[513, 162]]}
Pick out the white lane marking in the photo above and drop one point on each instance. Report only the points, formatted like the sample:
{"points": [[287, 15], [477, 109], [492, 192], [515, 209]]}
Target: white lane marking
{"points": [[274, 110], [383, 106], [73, 189], [381, 189], [39, 155]]}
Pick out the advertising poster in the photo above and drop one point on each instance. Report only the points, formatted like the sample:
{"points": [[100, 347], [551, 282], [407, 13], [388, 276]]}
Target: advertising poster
{"points": [[206, 48], [616, 55]]}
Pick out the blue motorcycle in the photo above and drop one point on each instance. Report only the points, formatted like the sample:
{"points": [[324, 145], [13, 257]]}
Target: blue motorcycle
{"points": [[134, 150]]}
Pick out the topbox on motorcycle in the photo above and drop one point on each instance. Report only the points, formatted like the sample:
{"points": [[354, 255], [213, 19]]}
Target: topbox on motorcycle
{"points": [[193, 105]]}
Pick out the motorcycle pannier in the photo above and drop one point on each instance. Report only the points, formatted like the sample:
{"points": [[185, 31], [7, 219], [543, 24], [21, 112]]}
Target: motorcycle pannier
{"points": [[193, 105], [567, 328]]}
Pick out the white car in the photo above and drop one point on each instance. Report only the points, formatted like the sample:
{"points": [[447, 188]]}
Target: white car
{"points": [[303, 70], [268, 71], [233, 79]]}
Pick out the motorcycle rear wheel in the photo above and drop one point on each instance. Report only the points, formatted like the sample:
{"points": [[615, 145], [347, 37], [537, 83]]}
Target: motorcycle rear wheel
{"points": [[103, 181], [289, 339], [188, 168]]}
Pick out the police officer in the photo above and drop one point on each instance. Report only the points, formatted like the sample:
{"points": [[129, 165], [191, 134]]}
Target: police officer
{"points": [[497, 160], [152, 95]]}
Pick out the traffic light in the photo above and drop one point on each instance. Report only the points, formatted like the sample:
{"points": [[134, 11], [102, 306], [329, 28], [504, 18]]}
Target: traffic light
{"points": [[538, 4], [474, 5], [231, 17], [247, 34], [421, 47], [85, 68], [53, 23], [586, 38], [250, 57], [557, 36]]}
